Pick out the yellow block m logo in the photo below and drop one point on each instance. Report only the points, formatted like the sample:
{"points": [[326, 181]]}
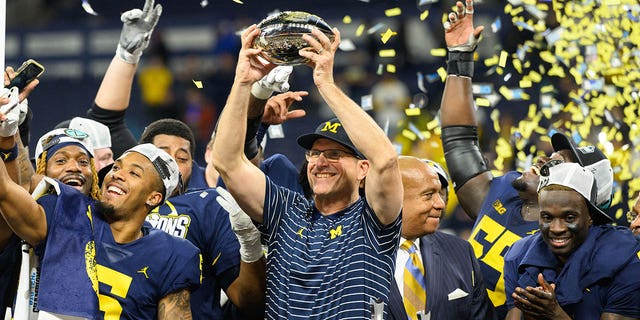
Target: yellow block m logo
{"points": [[332, 127]]}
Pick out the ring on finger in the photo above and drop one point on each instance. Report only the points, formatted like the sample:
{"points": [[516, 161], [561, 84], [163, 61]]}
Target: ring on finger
{"points": [[321, 51]]}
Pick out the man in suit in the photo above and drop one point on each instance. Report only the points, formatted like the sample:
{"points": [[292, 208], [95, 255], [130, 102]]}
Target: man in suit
{"points": [[452, 281]]}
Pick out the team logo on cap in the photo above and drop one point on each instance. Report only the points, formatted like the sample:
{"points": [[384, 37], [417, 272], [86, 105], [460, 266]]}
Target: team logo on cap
{"points": [[76, 134], [331, 127], [587, 149]]}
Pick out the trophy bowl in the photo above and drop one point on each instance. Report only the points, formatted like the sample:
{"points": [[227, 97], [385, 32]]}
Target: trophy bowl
{"points": [[281, 36]]}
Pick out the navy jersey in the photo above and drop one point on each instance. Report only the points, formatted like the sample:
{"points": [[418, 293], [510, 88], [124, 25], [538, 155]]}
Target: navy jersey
{"points": [[499, 224], [325, 267], [9, 270], [130, 278], [198, 217], [197, 180], [601, 276]]}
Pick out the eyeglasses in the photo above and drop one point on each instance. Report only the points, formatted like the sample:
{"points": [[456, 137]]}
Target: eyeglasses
{"points": [[332, 155], [631, 215], [544, 170]]}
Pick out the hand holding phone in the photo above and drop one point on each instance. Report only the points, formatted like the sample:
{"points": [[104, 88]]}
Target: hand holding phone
{"points": [[29, 71]]}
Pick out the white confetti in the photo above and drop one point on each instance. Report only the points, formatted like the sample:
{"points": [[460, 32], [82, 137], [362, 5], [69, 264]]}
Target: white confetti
{"points": [[347, 45], [204, 3], [87, 8], [275, 132]]}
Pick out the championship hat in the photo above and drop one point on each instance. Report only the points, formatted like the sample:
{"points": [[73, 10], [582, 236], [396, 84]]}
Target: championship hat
{"points": [[594, 160], [165, 165], [59, 138], [578, 178], [98, 133]]}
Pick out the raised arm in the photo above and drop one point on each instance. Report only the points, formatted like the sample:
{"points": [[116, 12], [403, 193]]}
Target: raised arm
{"points": [[228, 149], [20, 211], [467, 166], [383, 184], [115, 90]]}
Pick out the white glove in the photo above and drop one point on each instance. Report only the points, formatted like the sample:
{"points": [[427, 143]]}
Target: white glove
{"points": [[136, 31], [247, 233], [9, 127], [277, 80]]}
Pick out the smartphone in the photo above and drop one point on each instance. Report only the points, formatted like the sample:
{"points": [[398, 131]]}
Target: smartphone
{"points": [[28, 71]]}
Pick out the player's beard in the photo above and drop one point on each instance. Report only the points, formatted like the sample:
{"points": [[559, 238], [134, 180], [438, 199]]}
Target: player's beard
{"points": [[519, 184], [106, 210]]}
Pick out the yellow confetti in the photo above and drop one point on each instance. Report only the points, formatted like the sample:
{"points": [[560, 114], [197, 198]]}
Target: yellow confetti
{"points": [[391, 68], [198, 84], [412, 112], [360, 30], [525, 83], [387, 35], [439, 52], [495, 116], [483, 102], [387, 53], [393, 12], [506, 93], [491, 61], [424, 15], [409, 135], [503, 58], [346, 19], [442, 72], [433, 124]]}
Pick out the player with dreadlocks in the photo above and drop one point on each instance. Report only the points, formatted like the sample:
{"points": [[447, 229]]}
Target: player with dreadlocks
{"points": [[67, 155]]}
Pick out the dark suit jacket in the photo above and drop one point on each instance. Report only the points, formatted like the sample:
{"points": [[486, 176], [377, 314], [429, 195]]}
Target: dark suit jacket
{"points": [[449, 264]]}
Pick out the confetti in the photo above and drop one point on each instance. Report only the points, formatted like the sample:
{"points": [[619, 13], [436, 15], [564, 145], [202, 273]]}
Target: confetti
{"points": [[275, 131], [198, 84], [360, 30], [346, 19], [393, 12], [387, 35], [380, 69], [415, 130], [238, 1], [438, 52], [496, 25], [347, 45], [442, 72], [366, 102], [87, 8], [375, 28], [412, 111], [387, 53], [391, 68], [424, 15], [409, 135], [482, 88], [204, 3], [503, 59], [421, 82]]}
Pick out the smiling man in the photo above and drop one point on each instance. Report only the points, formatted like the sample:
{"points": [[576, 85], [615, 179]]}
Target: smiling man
{"points": [[448, 284], [67, 155], [94, 255], [576, 267]]}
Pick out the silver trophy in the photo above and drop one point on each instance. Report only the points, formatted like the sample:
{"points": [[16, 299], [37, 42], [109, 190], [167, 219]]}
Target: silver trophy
{"points": [[281, 36]]}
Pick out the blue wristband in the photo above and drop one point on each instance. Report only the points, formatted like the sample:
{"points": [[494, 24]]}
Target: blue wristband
{"points": [[9, 155]]}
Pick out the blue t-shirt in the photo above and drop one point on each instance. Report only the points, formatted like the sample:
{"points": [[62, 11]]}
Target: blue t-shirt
{"points": [[325, 267], [198, 217], [601, 276], [499, 224], [131, 278]]}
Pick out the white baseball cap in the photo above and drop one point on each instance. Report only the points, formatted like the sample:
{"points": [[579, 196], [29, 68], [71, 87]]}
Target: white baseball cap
{"points": [[98, 133], [165, 165], [58, 138], [578, 178]]}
